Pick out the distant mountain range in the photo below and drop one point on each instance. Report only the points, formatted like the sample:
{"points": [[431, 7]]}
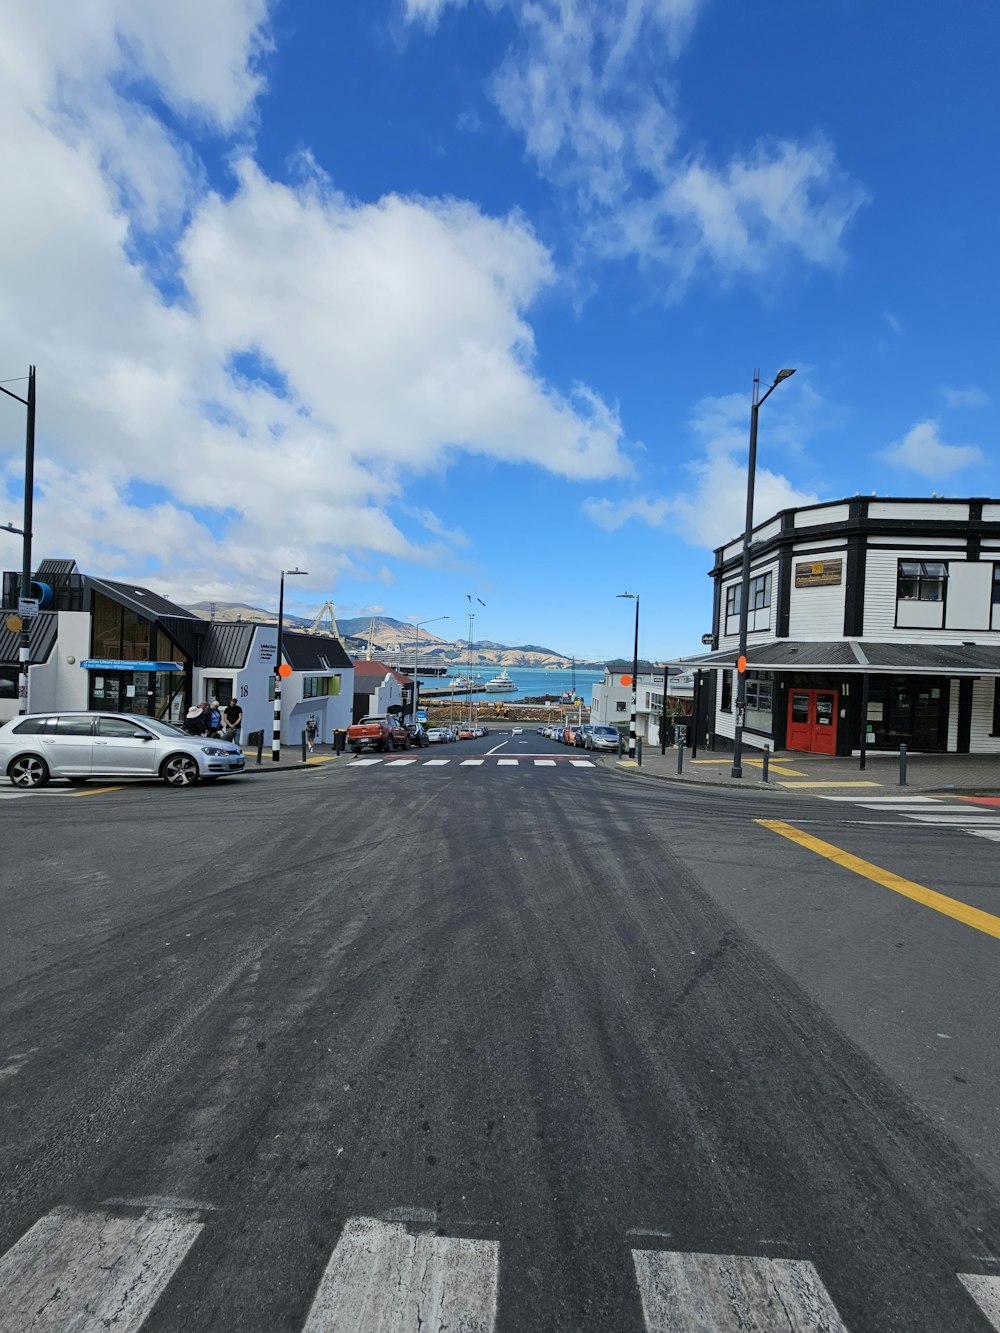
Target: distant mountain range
{"points": [[395, 639]]}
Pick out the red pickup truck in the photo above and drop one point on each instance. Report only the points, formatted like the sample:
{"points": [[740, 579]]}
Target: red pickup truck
{"points": [[377, 733]]}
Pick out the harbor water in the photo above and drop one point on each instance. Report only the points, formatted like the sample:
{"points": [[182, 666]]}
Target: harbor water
{"points": [[530, 682]]}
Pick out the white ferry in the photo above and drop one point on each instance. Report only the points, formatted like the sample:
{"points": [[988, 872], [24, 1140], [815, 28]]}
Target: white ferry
{"points": [[462, 683], [500, 683]]}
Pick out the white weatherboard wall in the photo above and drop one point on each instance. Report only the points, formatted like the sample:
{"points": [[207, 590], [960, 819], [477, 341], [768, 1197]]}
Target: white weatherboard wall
{"points": [[970, 587], [58, 684], [980, 740], [818, 613], [811, 518], [933, 509]]}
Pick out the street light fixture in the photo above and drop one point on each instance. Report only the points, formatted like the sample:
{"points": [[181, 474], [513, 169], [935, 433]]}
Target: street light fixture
{"points": [[24, 651], [741, 660], [276, 732], [635, 671], [416, 639]]}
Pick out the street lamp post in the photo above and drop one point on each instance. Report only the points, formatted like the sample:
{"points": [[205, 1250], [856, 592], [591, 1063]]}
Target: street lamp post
{"points": [[741, 660], [24, 651], [416, 639], [472, 618], [635, 672], [276, 732]]}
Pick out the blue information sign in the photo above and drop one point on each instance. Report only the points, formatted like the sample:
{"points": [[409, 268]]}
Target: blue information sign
{"points": [[109, 664]]}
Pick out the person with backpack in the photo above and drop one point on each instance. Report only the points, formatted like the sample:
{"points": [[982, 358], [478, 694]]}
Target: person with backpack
{"points": [[311, 729]]}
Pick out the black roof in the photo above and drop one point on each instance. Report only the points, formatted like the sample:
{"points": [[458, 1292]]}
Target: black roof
{"points": [[56, 567], [314, 652], [41, 636], [859, 656], [138, 598], [226, 644]]}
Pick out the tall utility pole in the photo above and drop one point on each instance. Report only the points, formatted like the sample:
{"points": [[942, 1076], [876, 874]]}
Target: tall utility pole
{"points": [[24, 649], [741, 659], [472, 617], [635, 673], [278, 676]]}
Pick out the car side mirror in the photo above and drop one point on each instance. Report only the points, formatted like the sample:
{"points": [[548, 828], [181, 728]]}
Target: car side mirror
{"points": [[141, 736]]}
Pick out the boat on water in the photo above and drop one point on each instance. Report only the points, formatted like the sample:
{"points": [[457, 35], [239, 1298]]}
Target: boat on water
{"points": [[500, 683], [462, 683]]}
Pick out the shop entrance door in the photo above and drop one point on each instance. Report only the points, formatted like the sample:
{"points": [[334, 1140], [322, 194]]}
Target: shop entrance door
{"points": [[812, 721]]}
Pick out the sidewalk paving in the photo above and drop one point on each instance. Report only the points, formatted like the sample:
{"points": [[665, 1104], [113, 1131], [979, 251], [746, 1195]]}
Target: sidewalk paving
{"points": [[291, 758], [807, 774]]}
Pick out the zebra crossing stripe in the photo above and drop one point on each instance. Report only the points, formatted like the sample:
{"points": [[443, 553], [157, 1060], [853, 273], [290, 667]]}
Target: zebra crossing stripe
{"points": [[985, 1291], [381, 1277], [544, 763], [509, 763], [363, 763], [400, 763], [471, 763], [92, 1270], [435, 763], [726, 1293]]}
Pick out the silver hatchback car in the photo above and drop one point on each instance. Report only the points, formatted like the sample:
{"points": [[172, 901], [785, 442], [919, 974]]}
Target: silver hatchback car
{"points": [[79, 746]]}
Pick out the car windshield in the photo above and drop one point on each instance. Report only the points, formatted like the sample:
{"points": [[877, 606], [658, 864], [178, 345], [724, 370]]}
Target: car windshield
{"points": [[161, 728], [605, 731]]}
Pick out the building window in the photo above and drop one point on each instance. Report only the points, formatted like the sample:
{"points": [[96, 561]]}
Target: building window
{"points": [[925, 581], [759, 695], [318, 687], [8, 682], [620, 705], [727, 692], [758, 605], [219, 687]]}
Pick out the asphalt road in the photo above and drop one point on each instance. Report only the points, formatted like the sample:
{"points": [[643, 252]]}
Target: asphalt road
{"points": [[556, 1027]]}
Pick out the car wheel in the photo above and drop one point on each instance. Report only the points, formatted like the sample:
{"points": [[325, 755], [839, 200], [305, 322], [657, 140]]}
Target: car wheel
{"points": [[27, 770], [406, 743], [389, 745], [179, 770]]}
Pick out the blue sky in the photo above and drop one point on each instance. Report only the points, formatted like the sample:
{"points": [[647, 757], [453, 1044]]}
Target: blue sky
{"points": [[439, 297]]}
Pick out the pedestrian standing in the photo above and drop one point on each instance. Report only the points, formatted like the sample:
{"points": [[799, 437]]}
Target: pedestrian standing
{"points": [[311, 729], [232, 717]]}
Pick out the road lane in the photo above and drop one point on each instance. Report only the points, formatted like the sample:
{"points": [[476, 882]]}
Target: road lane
{"points": [[518, 1004]]}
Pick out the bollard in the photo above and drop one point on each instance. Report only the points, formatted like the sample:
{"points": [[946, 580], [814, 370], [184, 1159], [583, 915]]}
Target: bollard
{"points": [[638, 750], [303, 747], [680, 758], [260, 747], [902, 765], [767, 756]]}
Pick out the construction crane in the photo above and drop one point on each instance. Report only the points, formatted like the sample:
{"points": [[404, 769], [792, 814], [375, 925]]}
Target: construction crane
{"points": [[325, 622]]}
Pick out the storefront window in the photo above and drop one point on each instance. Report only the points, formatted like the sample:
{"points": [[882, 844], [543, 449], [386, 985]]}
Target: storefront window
{"points": [[921, 581], [106, 628]]}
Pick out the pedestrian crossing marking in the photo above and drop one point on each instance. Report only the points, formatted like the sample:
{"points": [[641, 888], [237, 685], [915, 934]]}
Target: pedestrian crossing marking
{"points": [[435, 763], [361, 763], [400, 763], [581, 763], [939, 902], [381, 1276], [508, 763], [534, 761], [78, 1270], [727, 1293], [830, 784], [968, 815], [985, 1291], [545, 763], [108, 1267], [470, 763]]}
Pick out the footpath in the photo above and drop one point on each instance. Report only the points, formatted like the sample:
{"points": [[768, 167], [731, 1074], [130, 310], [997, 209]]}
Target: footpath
{"points": [[803, 774]]}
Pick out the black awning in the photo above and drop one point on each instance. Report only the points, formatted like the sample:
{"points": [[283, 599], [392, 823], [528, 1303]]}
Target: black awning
{"points": [[856, 657]]}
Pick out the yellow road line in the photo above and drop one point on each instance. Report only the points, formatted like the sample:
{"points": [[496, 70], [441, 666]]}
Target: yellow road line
{"points": [[94, 791], [829, 784], [711, 761], [940, 902]]}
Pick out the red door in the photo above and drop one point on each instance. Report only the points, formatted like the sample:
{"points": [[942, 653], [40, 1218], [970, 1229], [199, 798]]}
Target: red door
{"points": [[812, 721]]}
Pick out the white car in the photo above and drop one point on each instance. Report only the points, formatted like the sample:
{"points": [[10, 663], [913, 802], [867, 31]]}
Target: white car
{"points": [[78, 746], [437, 735]]}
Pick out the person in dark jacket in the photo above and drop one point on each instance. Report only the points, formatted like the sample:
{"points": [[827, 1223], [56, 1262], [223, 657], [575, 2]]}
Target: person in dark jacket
{"points": [[196, 721]]}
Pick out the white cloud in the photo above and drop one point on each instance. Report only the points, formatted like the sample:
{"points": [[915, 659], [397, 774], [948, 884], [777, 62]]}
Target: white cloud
{"points": [[712, 509], [588, 85], [966, 398], [893, 321], [428, 11], [368, 376], [922, 450]]}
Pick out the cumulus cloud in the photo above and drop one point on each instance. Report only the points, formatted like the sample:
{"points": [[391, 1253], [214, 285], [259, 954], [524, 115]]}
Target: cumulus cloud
{"points": [[922, 450], [276, 359], [712, 508], [587, 85]]}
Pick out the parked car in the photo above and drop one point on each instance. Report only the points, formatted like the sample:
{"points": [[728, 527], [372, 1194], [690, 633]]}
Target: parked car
{"points": [[569, 734], [85, 745], [417, 734], [604, 738], [581, 734], [556, 734], [466, 734], [378, 733], [437, 735]]}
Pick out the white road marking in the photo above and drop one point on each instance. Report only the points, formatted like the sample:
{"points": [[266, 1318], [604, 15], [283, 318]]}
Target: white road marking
{"points": [[985, 818], [382, 1279], [399, 763], [497, 747], [985, 1291], [361, 763], [581, 763], [544, 763], [993, 835], [435, 763], [92, 1270], [472, 763], [884, 800], [508, 762], [722, 1293]]}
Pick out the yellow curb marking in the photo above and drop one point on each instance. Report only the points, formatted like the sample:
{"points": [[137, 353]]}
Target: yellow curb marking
{"points": [[939, 902], [829, 784], [627, 763], [711, 761], [95, 791]]}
